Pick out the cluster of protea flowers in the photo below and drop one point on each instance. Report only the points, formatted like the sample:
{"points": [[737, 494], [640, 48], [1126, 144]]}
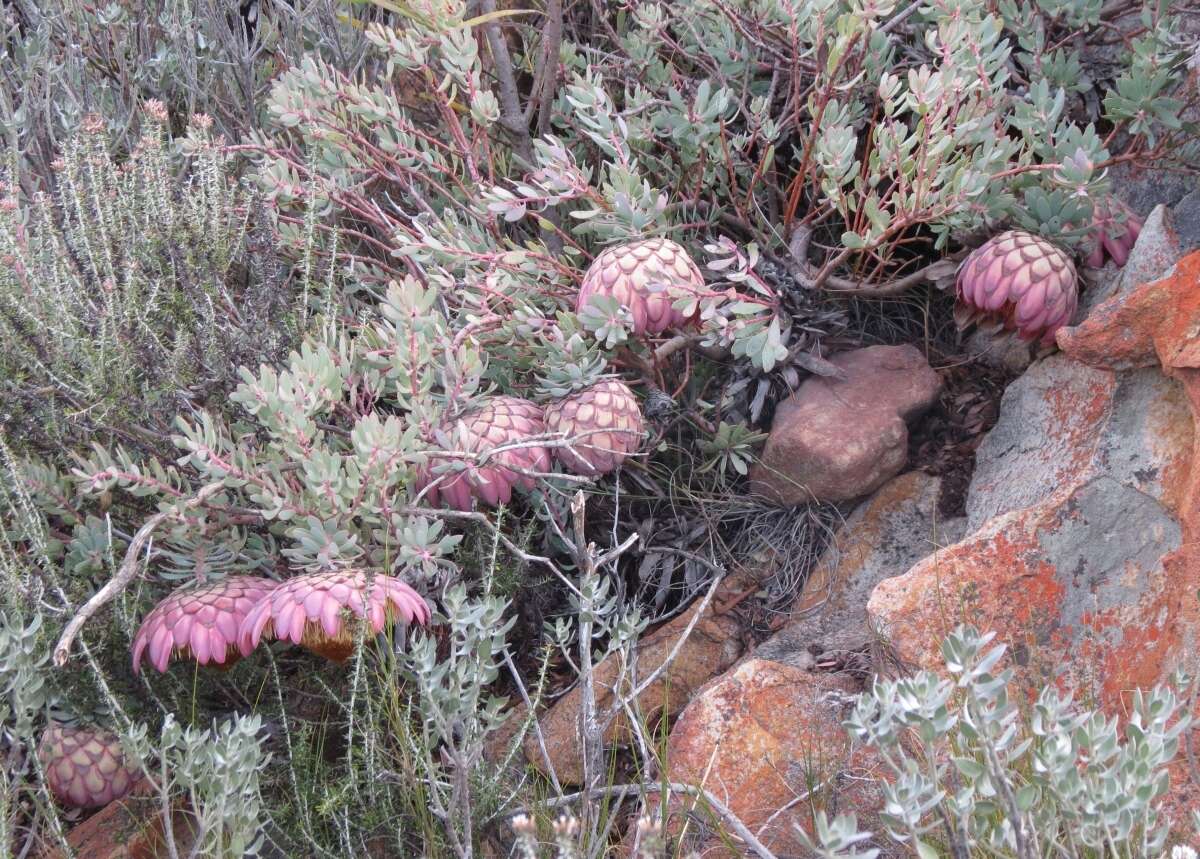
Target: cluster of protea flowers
{"points": [[219, 622], [85, 767], [508, 442], [591, 423]]}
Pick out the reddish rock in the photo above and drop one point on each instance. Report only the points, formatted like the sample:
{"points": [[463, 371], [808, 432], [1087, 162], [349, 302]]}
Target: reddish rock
{"points": [[713, 645], [500, 742], [766, 740], [839, 439], [1075, 585], [129, 828], [1155, 323]]}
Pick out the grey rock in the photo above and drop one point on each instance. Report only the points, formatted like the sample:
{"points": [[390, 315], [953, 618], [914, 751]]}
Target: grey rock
{"points": [[1142, 189], [1186, 214], [883, 537], [1005, 351], [1063, 421], [1111, 544]]}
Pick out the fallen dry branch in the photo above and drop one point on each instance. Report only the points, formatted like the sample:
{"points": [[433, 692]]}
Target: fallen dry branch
{"points": [[126, 572]]}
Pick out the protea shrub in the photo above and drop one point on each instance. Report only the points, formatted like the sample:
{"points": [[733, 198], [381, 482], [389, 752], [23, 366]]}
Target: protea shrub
{"points": [[646, 277], [1019, 281], [315, 611], [498, 422], [201, 623], [85, 767]]}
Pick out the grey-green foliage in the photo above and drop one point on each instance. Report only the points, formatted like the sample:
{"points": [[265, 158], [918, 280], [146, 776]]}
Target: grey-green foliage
{"points": [[24, 697], [969, 772], [218, 771], [456, 710], [731, 447], [128, 296], [883, 127], [24, 662], [317, 493], [65, 60]]}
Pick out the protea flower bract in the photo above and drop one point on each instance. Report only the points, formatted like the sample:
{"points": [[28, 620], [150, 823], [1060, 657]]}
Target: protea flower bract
{"points": [[497, 422], [604, 422], [199, 622], [85, 767], [646, 277], [1115, 229]]}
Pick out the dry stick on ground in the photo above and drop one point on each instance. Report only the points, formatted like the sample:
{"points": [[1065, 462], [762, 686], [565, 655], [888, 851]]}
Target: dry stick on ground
{"points": [[126, 572]]}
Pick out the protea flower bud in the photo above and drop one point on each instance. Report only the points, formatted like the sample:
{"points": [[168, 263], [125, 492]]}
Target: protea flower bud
{"points": [[200, 622], [646, 277], [498, 422], [604, 424], [1020, 280], [1112, 235], [85, 767], [311, 610]]}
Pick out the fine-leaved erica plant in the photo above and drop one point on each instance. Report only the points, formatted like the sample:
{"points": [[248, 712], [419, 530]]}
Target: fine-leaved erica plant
{"points": [[132, 292]]}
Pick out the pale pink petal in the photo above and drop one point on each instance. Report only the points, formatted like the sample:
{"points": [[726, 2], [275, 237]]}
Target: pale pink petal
{"points": [[218, 646], [378, 618], [200, 644], [227, 625], [161, 646], [330, 619], [296, 623], [182, 631]]}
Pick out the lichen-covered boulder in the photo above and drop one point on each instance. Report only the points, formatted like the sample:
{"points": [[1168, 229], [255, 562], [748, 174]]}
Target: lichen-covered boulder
{"points": [[1085, 511], [892, 530], [756, 739]]}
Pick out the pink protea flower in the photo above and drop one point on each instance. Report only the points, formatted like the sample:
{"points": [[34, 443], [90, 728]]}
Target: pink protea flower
{"points": [[1021, 281], [606, 422], [201, 622], [1112, 235], [85, 767], [310, 610], [646, 277], [499, 421]]}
